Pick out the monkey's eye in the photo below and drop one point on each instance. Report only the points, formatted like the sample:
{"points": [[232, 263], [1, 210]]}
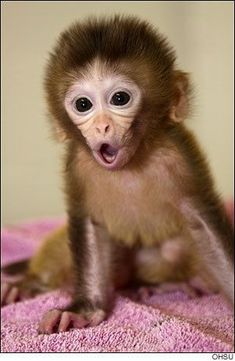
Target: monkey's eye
{"points": [[83, 105], [120, 98]]}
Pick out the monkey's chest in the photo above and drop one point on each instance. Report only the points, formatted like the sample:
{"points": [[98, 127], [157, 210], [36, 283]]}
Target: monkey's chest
{"points": [[134, 210]]}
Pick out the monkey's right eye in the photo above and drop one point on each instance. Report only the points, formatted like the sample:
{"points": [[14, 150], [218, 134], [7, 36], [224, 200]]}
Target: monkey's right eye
{"points": [[83, 105]]}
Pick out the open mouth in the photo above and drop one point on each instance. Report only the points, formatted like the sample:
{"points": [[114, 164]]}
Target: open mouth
{"points": [[108, 153]]}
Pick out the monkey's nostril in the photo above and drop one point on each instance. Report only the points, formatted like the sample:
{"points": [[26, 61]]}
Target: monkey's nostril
{"points": [[102, 129]]}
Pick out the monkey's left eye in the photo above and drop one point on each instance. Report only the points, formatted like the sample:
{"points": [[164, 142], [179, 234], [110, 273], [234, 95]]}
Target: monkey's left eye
{"points": [[120, 98], [83, 105]]}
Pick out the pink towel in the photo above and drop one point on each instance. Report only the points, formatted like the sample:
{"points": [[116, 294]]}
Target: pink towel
{"points": [[169, 322]]}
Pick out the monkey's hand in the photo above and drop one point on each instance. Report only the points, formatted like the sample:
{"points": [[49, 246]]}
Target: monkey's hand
{"points": [[55, 321]]}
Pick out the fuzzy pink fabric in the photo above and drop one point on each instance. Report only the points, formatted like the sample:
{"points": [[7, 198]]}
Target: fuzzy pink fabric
{"points": [[170, 322]]}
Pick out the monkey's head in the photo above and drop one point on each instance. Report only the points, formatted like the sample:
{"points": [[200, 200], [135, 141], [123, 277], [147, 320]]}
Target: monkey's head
{"points": [[110, 83]]}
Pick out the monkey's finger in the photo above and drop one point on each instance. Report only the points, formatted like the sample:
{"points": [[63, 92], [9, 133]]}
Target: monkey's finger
{"points": [[65, 322], [97, 317], [49, 322], [71, 319]]}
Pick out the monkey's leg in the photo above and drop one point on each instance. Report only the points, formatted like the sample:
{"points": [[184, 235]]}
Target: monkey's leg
{"points": [[48, 269], [91, 252], [166, 262], [214, 250], [169, 267]]}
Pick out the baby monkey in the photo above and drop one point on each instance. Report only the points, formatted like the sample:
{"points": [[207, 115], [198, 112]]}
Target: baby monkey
{"points": [[141, 203]]}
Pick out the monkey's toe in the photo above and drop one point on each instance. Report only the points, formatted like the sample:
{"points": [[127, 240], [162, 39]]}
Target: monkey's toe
{"points": [[15, 292], [167, 287], [9, 294], [4, 292], [55, 321], [202, 287], [145, 292]]}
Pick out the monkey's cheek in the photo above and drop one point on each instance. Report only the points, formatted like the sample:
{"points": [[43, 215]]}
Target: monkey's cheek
{"points": [[120, 160]]}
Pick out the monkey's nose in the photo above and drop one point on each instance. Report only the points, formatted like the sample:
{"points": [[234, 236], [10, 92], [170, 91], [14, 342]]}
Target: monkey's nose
{"points": [[102, 128]]}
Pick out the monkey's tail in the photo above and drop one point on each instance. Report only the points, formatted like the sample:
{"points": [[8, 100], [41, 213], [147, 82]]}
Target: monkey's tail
{"points": [[15, 268]]}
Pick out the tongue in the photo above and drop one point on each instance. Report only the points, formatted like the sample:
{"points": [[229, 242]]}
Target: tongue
{"points": [[108, 153]]}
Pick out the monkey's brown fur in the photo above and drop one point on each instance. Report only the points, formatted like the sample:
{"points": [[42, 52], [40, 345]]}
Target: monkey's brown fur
{"points": [[161, 206]]}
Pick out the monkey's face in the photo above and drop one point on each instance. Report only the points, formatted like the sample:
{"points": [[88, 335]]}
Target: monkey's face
{"points": [[103, 105]]}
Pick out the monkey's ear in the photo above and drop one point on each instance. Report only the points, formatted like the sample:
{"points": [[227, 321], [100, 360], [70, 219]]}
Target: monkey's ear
{"points": [[181, 93], [60, 134]]}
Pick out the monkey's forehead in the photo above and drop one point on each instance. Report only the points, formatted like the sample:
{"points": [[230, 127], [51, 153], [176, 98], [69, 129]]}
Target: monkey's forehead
{"points": [[112, 39], [99, 71]]}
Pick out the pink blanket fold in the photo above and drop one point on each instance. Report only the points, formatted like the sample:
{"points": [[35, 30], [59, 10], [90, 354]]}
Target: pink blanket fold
{"points": [[169, 322]]}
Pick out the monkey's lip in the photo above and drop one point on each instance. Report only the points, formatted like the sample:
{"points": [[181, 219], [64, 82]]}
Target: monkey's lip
{"points": [[108, 153]]}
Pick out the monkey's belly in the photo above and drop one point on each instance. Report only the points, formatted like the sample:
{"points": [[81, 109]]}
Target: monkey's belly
{"points": [[138, 224]]}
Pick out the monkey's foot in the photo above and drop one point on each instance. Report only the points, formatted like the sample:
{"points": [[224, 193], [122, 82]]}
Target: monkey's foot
{"points": [[192, 289], [147, 291], [55, 321], [20, 290]]}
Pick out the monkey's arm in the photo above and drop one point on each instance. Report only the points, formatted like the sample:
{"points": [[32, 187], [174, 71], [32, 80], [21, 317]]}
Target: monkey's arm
{"points": [[90, 250]]}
